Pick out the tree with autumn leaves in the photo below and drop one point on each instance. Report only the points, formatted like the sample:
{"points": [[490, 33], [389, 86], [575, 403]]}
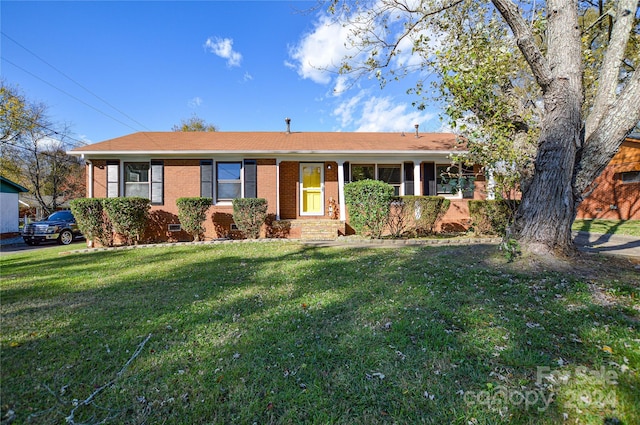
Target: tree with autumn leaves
{"points": [[546, 90], [33, 151]]}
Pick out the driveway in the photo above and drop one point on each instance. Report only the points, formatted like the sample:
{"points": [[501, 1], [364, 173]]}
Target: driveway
{"points": [[627, 246], [8, 246]]}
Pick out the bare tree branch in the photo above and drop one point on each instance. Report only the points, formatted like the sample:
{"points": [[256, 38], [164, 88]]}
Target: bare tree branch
{"points": [[525, 41], [613, 60], [70, 419]]}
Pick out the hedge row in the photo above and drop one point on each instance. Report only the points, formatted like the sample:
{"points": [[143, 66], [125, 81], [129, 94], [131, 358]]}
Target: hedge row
{"points": [[99, 219], [373, 208], [492, 217]]}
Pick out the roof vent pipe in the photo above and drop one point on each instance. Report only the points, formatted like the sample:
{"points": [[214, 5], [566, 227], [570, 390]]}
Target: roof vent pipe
{"points": [[416, 126], [288, 121]]}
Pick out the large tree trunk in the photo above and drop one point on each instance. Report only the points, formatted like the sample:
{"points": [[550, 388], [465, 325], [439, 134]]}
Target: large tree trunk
{"points": [[543, 221]]}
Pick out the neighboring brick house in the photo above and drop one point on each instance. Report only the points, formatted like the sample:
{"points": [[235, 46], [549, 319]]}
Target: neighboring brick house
{"points": [[300, 174], [616, 192]]}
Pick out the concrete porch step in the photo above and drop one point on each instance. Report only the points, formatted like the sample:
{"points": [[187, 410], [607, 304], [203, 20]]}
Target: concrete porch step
{"points": [[319, 230]]}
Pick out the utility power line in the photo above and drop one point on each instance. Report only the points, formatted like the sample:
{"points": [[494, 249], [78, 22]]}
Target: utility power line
{"points": [[69, 94], [75, 82]]}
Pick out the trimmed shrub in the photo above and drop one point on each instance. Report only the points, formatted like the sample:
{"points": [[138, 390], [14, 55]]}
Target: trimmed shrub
{"points": [[399, 221], [129, 216], [426, 211], [92, 220], [368, 203], [416, 214], [192, 212], [492, 217], [249, 214]]}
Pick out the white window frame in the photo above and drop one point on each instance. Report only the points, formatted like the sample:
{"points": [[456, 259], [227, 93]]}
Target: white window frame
{"points": [[226, 201], [130, 183], [376, 166]]}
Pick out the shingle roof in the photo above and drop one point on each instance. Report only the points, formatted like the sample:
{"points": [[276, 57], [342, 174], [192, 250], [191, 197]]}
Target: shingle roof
{"points": [[276, 142]]}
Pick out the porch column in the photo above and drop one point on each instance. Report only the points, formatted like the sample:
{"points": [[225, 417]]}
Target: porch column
{"points": [[343, 208], [278, 161], [417, 187], [491, 185]]}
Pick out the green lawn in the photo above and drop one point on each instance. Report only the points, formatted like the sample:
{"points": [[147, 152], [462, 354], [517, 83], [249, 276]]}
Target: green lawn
{"points": [[618, 227], [290, 334]]}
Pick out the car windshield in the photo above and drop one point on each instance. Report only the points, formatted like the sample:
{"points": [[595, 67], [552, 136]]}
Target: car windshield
{"points": [[60, 216]]}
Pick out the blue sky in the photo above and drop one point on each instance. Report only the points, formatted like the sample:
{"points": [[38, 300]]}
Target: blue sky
{"points": [[113, 68]]}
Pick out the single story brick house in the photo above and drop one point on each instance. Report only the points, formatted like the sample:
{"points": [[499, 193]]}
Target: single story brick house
{"points": [[300, 174], [616, 192]]}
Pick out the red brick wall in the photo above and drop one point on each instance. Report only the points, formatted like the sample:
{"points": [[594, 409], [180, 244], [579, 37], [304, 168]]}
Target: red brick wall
{"points": [[182, 179], [267, 178], [99, 179], [289, 177], [612, 199]]}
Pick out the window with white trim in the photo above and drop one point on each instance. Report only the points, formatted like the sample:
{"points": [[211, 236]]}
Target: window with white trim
{"points": [[390, 173], [145, 180], [454, 180], [446, 179], [363, 172], [136, 179], [228, 181]]}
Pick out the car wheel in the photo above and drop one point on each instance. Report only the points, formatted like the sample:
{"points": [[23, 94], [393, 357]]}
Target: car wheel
{"points": [[30, 243], [65, 238]]}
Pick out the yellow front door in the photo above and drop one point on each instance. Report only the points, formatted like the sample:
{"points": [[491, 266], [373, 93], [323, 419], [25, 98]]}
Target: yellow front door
{"points": [[312, 189]]}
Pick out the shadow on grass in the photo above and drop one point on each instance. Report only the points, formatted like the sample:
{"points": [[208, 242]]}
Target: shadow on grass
{"points": [[292, 334]]}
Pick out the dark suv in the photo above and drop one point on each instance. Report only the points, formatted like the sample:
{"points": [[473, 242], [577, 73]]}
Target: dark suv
{"points": [[60, 226]]}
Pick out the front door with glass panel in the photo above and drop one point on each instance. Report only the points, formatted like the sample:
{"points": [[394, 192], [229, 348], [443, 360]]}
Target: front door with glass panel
{"points": [[311, 189]]}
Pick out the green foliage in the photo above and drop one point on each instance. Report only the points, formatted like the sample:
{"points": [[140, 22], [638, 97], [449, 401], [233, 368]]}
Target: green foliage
{"points": [[511, 249], [33, 150], [249, 214], [128, 215], [192, 212], [492, 217], [426, 211], [416, 214], [368, 203], [489, 95], [93, 220]]}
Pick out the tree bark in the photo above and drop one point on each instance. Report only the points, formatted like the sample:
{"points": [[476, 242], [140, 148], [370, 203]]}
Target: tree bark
{"points": [[546, 212], [543, 221]]}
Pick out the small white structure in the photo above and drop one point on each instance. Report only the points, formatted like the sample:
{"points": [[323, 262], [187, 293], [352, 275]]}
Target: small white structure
{"points": [[9, 207]]}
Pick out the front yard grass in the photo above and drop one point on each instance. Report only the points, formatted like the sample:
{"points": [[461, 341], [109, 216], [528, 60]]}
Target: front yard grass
{"points": [[283, 333], [616, 227]]}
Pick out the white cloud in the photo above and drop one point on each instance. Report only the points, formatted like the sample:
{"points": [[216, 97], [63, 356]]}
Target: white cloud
{"points": [[195, 102], [223, 47], [318, 55], [247, 77], [373, 114]]}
